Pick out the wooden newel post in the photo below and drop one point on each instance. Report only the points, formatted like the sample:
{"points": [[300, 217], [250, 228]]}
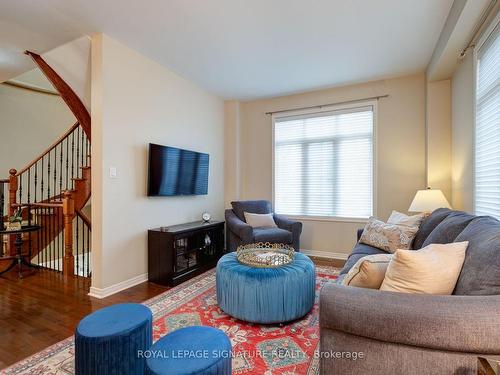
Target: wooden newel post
{"points": [[13, 186], [69, 214]]}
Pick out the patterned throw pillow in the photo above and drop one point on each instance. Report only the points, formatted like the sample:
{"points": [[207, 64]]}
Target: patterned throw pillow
{"points": [[387, 237], [368, 272]]}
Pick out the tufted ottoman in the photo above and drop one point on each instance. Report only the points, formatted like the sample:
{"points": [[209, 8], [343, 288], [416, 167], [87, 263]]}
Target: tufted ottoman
{"points": [[196, 350], [107, 341], [266, 295]]}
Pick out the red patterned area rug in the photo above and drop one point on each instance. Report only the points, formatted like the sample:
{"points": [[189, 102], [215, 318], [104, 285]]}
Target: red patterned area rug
{"points": [[256, 348]]}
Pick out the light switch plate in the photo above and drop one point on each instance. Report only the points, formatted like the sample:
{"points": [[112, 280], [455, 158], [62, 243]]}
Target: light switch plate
{"points": [[112, 172]]}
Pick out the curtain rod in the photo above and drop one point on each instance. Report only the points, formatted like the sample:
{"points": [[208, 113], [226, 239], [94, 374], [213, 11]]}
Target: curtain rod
{"points": [[328, 104], [477, 28], [26, 86]]}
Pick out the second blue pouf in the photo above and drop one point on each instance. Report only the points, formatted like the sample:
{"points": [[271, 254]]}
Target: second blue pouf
{"points": [[196, 350], [110, 340]]}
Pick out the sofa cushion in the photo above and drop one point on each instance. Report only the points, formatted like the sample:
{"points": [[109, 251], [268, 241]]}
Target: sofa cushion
{"points": [[428, 226], [255, 207], [275, 235], [480, 273], [448, 229], [360, 250]]}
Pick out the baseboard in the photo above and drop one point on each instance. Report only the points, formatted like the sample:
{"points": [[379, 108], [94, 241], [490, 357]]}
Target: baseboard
{"points": [[325, 254], [106, 292]]}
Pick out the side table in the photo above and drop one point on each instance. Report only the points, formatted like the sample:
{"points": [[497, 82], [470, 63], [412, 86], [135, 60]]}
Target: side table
{"points": [[19, 259]]}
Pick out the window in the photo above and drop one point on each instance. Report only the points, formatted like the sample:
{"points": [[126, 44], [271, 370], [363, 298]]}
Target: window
{"points": [[323, 163], [487, 137]]}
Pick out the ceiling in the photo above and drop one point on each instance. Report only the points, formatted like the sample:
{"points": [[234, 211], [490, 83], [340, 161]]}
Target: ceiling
{"points": [[240, 49]]}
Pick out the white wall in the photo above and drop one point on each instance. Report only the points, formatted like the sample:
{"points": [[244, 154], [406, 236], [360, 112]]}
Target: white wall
{"points": [[29, 123], [438, 124], [72, 62], [136, 101], [400, 151], [462, 88], [232, 139]]}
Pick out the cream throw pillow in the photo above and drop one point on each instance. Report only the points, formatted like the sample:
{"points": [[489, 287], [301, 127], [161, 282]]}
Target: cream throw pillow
{"points": [[259, 220], [368, 272], [431, 270], [387, 237], [398, 218]]}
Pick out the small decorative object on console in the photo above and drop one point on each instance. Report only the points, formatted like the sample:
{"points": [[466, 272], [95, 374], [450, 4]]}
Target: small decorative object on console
{"points": [[206, 217], [265, 255], [208, 241], [15, 220]]}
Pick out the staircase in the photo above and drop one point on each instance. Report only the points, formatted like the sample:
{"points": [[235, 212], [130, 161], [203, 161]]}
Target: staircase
{"points": [[53, 190]]}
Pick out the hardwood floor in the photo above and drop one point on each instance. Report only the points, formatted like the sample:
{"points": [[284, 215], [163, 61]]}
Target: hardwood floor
{"points": [[338, 263], [44, 308]]}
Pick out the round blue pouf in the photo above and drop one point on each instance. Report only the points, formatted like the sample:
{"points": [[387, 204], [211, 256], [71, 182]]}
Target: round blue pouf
{"points": [[109, 341], [266, 295], [193, 350]]}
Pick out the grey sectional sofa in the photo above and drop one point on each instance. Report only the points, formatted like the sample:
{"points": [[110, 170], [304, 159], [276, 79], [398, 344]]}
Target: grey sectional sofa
{"points": [[402, 333]]}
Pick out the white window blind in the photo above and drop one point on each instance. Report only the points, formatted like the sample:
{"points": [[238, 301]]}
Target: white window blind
{"points": [[323, 164], [487, 139]]}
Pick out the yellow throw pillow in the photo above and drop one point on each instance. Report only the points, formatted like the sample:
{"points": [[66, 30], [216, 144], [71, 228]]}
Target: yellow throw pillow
{"points": [[368, 272], [433, 269]]}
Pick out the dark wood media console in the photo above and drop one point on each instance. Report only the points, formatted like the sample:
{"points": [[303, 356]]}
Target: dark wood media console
{"points": [[180, 252]]}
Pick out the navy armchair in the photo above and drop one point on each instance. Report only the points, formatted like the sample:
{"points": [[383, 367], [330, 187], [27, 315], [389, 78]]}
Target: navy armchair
{"points": [[238, 232]]}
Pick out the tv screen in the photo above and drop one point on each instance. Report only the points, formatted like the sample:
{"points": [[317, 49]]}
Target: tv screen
{"points": [[173, 171]]}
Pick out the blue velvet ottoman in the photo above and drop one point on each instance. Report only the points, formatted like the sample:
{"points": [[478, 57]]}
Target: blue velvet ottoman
{"points": [[266, 295], [108, 341], [196, 350]]}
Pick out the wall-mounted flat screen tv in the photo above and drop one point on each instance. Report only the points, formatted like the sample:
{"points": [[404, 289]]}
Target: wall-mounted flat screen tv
{"points": [[174, 171]]}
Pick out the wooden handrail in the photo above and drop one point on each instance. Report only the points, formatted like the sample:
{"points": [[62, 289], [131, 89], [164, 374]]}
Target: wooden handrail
{"points": [[85, 219], [51, 147], [39, 205], [72, 100]]}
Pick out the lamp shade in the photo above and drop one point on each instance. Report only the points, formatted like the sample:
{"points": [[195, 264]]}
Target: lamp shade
{"points": [[428, 200]]}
